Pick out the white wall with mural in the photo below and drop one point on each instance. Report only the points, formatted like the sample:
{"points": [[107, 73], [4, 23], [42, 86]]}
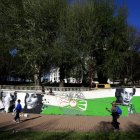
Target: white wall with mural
{"points": [[89, 103]]}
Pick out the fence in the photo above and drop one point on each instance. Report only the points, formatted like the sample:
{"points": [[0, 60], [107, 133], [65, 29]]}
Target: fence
{"points": [[39, 88]]}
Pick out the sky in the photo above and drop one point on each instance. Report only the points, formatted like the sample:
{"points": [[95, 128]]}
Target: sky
{"points": [[133, 7]]}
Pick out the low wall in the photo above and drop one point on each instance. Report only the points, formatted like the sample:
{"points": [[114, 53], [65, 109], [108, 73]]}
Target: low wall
{"points": [[39, 88], [78, 102]]}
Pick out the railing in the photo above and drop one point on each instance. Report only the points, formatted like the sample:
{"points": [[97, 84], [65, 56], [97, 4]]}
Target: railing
{"points": [[39, 88], [20, 87]]}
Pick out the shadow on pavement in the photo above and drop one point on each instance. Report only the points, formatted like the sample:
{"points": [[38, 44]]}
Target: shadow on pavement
{"points": [[133, 128], [6, 126], [30, 119], [104, 126]]}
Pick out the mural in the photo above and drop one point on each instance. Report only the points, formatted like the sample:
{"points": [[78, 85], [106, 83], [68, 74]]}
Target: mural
{"points": [[124, 96], [7, 100], [89, 103], [31, 102]]}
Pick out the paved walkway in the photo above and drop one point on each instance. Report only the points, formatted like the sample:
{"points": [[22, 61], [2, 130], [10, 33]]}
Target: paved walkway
{"points": [[37, 122]]}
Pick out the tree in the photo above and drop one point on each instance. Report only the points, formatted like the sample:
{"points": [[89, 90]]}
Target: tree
{"points": [[10, 14], [90, 33], [118, 45], [41, 23], [82, 39], [134, 67], [74, 40]]}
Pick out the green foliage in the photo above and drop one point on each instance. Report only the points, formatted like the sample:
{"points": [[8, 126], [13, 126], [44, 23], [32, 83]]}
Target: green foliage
{"points": [[82, 39]]}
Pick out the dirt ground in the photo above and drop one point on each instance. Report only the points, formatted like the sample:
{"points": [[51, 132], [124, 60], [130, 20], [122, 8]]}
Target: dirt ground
{"points": [[59, 123]]}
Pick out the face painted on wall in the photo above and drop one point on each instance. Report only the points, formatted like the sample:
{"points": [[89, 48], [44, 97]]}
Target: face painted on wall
{"points": [[31, 100], [127, 95]]}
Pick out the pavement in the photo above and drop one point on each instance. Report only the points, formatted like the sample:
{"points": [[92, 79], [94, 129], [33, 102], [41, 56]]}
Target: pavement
{"points": [[61, 123]]}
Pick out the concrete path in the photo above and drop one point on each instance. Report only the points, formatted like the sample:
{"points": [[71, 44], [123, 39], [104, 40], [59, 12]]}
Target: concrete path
{"points": [[37, 122]]}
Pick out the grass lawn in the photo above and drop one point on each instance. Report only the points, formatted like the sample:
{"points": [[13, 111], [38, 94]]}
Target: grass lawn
{"points": [[69, 136]]}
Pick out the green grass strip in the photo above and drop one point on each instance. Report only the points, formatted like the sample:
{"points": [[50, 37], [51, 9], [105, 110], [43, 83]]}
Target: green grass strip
{"points": [[69, 136]]}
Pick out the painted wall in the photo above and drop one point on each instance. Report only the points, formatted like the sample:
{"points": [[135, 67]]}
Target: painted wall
{"points": [[90, 103]]}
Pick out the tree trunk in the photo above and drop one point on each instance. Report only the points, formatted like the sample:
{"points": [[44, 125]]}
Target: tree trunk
{"points": [[61, 84], [102, 79], [100, 72], [37, 75], [36, 79], [62, 75]]}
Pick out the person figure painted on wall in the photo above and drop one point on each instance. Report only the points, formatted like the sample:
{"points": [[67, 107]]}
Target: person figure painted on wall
{"points": [[115, 114], [18, 109], [1, 102], [124, 95], [7, 101]]}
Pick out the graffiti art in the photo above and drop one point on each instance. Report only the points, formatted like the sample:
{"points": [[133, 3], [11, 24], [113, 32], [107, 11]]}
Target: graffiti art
{"points": [[89, 103]]}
